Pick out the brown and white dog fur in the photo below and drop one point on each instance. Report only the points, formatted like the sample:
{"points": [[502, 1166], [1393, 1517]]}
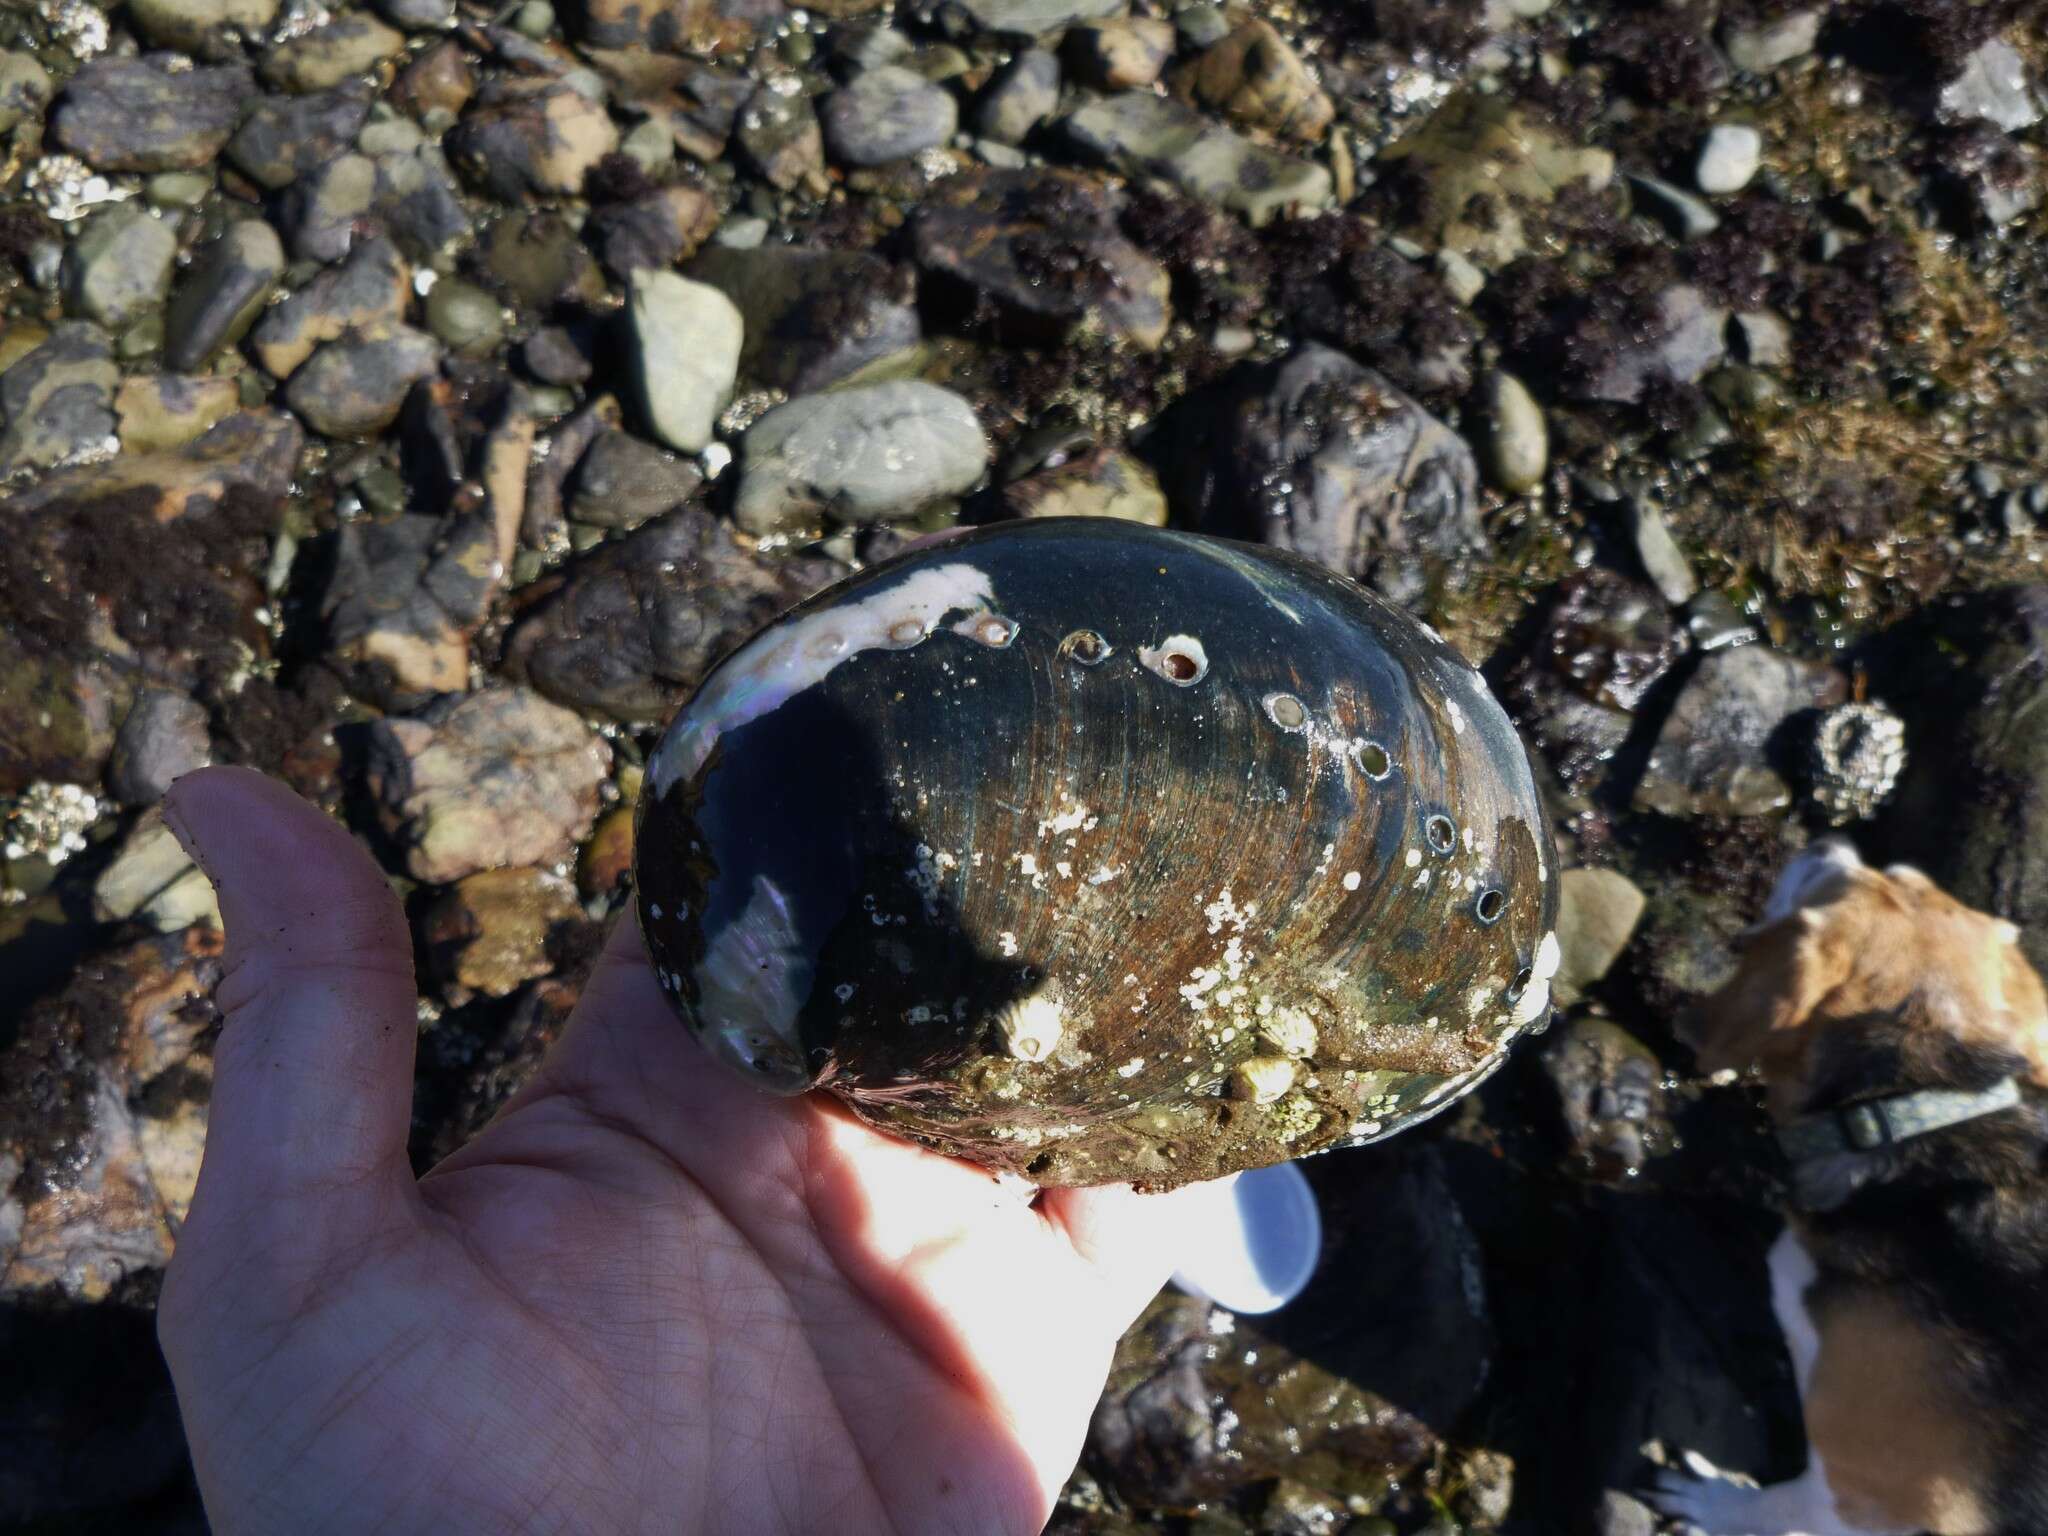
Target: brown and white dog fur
{"points": [[1913, 1290]]}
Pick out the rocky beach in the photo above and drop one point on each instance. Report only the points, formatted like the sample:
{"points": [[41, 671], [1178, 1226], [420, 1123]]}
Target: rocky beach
{"points": [[413, 399]]}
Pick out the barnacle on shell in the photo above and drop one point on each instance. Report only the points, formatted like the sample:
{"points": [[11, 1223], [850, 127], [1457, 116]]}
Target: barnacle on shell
{"points": [[1859, 751]]}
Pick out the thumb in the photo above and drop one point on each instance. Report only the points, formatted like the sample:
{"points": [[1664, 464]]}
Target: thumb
{"points": [[1131, 1240], [312, 1085]]}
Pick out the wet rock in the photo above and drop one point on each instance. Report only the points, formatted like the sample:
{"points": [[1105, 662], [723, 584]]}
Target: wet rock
{"points": [[678, 26], [1984, 180], [1318, 454], [1729, 157], [422, 15], [686, 350], [531, 138], [1140, 134], [220, 294], [1610, 1087], [628, 630], [367, 293], [465, 319], [488, 934], [286, 137], [1760, 46], [323, 58], [24, 89], [355, 386], [163, 737], [1484, 173], [119, 267], [1514, 442], [56, 403], [622, 482], [1764, 338], [1102, 483], [875, 452], [1968, 677], [208, 29], [1254, 78], [1675, 339], [1122, 53], [1992, 86], [146, 115], [488, 780], [812, 316], [1199, 1405], [153, 879], [168, 410], [1685, 216], [1022, 97], [604, 867], [1715, 754], [439, 80], [657, 230], [1662, 560], [554, 355], [1042, 250], [538, 261], [404, 599], [248, 460], [1598, 910], [416, 201], [1028, 19], [779, 138], [327, 210], [885, 114]]}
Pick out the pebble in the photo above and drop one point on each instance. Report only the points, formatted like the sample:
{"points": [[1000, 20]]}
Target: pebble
{"points": [[814, 316], [323, 58], [1597, 912], [1139, 133], [403, 598], [163, 737], [119, 267], [1993, 86], [778, 137], [367, 292], [532, 138], [487, 935], [24, 88], [554, 356], [286, 137], [152, 878], [1121, 53], [1253, 76], [464, 318], [878, 451], [57, 402], [221, 293], [432, 15], [178, 189], [1678, 210], [1713, 755], [1514, 442], [144, 115], [353, 387], [885, 114], [1662, 560], [1021, 97], [686, 351], [203, 28], [622, 482], [1729, 156], [1027, 19], [168, 410], [1760, 47]]}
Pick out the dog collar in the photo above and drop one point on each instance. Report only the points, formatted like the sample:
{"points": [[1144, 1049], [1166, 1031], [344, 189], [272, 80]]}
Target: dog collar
{"points": [[1874, 1124]]}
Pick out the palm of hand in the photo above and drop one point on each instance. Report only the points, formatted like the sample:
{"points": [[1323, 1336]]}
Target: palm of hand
{"points": [[643, 1298]]}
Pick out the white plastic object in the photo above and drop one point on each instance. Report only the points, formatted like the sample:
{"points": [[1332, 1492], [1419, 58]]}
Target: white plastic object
{"points": [[1253, 1240]]}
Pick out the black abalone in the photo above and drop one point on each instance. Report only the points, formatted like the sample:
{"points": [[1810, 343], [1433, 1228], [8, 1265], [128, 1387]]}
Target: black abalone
{"points": [[1094, 852]]}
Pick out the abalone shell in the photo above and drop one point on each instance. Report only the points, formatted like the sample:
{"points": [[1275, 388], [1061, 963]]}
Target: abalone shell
{"points": [[1094, 852]]}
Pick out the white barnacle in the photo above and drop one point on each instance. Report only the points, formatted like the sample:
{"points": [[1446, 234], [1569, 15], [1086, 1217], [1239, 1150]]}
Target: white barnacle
{"points": [[1262, 1079], [1031, 1027]]}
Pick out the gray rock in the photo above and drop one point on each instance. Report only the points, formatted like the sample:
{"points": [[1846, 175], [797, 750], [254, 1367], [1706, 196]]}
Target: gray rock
{"points": [[154, 879], [1318, 454], [813, 316], [554, 356], [861, 454], [1140, 134], [368, 292], [1760, 47], [221, 293], [323, 58], [24, 89], [1201, 24], [1041, 249], [686, 349], [635, 625], [1597, 911], [119, 267], [286, 137], [163, 737], [652, 231], [146, 115], [57, 403], [403, 599], [1984, 180], [419, 15], [1729, 157], [1026, 19], [1663, 561], [486, 780], [886, 114], [204, 28], [1764, 338], [1715, 753], [1610, 1087], [530, 138], [1020, 98], [1993, 86], [1678, 210], [1682, 337], [1122, 53], [1514, 441], [353, 387], [622, 482], [416, 201], [330, 207], [464, 318], [778, 137]]}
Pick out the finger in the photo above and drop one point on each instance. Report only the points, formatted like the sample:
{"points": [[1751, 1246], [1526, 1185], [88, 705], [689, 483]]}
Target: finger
{"points": [[312, 1085], [1131, 1240]]}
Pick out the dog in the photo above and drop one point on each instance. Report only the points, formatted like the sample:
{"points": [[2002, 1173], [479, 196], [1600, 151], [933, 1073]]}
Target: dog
{"points": [[1903, 1040]]}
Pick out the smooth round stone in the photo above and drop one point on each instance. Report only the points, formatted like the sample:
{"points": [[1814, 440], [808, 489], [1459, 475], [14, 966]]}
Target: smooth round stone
{"points": [[1729, 157], [465, 318]]}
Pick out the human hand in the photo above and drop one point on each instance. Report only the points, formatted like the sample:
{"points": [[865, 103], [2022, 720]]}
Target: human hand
{"points": [[645, 1297]]}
